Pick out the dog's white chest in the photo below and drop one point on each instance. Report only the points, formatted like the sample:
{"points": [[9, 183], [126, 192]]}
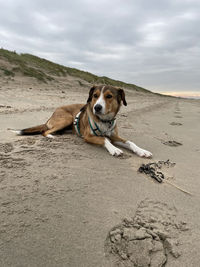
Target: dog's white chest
{"points": [[106, 128]]}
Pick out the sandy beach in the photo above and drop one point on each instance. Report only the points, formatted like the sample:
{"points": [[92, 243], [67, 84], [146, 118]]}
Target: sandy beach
{"points": [[67, 203]]}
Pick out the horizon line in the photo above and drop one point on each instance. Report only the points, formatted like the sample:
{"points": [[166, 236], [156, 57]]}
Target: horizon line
{"points": [[184, 94]]}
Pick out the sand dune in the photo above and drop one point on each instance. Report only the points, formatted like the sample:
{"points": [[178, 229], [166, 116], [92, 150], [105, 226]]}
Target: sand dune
{"points": [[67, 203]]}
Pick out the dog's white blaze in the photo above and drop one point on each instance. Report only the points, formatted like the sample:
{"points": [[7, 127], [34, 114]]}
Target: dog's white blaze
{"points": [[101, 101], [114, 151], [133, 147]]}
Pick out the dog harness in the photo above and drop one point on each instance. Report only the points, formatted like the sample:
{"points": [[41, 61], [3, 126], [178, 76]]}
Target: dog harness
{"points": [[93, 126], [76, 123], [96, 129]]}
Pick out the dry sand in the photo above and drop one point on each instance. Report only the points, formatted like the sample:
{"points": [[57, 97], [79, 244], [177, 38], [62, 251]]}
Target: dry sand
{"points": [[67, 203]]}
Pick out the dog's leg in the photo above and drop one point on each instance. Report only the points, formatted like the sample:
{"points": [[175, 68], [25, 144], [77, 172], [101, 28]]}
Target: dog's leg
{"points": [[131, 146], [59, 124], [103, 141]]}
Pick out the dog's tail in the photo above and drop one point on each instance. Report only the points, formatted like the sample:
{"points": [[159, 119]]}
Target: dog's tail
{"points": [[32, 130]]}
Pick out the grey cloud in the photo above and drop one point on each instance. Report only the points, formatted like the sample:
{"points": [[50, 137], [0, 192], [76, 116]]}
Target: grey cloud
{"points": [[154, 43]]}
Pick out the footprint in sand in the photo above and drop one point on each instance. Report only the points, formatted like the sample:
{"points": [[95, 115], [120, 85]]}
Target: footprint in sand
{"points": [[172, 143], [146, 239], [9, 162], [179, 117], [176, 123], [6, 147]]}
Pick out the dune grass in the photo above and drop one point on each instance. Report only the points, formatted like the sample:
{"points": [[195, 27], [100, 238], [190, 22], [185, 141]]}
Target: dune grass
{"points": [[45, 70]]}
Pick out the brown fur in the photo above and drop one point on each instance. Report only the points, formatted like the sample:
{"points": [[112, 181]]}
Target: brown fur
{"points": [[60, 119]]}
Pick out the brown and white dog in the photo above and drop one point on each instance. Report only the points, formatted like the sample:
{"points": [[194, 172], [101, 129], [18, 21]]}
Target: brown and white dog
{"points": [[95, 121]]}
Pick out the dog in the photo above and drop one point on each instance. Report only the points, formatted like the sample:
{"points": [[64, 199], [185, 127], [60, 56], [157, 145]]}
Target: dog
{"points": [[94, 121]]}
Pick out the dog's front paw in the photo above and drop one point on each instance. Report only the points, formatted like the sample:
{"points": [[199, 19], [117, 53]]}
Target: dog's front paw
{"points": [[143, 153], [114, 151], [139, 151]]}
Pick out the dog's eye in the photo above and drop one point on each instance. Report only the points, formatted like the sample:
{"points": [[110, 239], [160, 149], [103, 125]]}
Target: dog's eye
{"points": [[95, 96], [109, 96]]}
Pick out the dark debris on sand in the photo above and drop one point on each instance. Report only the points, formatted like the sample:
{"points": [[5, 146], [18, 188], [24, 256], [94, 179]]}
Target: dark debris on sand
{"points": [[153, 169]]}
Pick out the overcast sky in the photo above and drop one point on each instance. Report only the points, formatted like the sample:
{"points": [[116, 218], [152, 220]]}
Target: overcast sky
{"points": [[152, 43]]}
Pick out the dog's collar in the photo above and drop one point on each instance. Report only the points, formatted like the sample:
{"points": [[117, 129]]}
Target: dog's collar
{"points": [[106, 121]]}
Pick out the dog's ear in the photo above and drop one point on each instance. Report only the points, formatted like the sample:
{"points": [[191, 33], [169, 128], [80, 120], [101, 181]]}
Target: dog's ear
{"points": [[121, 96], [91, 93]]}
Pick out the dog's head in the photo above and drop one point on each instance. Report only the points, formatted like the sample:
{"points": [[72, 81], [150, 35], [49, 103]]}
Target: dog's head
{"points": [[105, 101]]}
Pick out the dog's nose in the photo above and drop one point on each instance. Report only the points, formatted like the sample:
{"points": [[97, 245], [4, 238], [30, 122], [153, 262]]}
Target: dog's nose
{"points": [[98, 108]]}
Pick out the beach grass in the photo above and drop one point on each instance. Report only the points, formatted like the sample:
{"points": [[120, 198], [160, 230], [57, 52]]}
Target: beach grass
{"points": [[45, 70]]}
